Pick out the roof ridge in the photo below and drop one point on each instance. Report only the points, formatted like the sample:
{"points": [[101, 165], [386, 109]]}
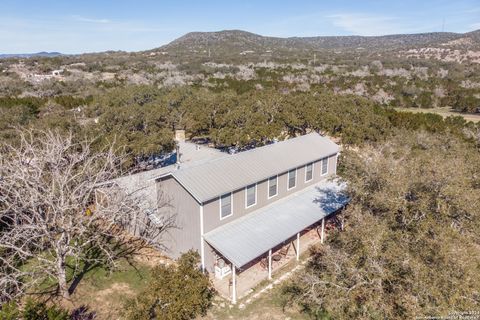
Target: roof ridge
{"points": [[199, 163], [211, 178]]}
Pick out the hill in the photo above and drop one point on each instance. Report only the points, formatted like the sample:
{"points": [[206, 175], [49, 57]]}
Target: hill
{"points": [[237, 41], [30, 55]]}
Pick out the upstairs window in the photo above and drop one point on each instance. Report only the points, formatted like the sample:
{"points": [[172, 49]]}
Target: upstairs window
{"points": [[272, 187], [292, 179], [225, 205], [324, 166], [250, 195], [309, 172]]}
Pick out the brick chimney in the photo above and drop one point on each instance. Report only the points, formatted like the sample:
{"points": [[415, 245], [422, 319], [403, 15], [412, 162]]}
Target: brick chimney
{"points": [[179, 137]]}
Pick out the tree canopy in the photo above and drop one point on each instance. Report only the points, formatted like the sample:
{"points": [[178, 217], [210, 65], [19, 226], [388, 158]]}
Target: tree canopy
{"points": [[177, 292], [410, 245]]}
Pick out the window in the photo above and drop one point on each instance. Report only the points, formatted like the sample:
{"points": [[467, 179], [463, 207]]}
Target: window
{"points": [[225, 205], [324, 166], [272, 187], [309, 172], [250, 195], [292, 179]]}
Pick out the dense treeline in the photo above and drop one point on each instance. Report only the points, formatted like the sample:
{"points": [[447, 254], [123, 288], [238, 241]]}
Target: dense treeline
{"points": [[388, 78], [142, 118], [410, 244]]}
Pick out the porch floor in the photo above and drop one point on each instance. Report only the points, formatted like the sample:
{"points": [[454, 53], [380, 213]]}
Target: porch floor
{"points": [[250, 277]]}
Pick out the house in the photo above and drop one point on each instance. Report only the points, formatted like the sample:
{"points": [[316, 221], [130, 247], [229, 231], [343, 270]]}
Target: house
{"points": [[239, 210]]}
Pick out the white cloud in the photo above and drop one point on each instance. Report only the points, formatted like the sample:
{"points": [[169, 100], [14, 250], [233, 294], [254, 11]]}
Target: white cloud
{"points": [[367, 24]]}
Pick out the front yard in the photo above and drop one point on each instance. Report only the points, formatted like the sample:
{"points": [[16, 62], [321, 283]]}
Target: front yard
{"points": [[105, 292]]}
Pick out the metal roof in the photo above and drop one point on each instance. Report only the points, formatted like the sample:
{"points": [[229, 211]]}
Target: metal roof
{"points": [[142, 184], [213, 178], [247, 238], [193, 153]]}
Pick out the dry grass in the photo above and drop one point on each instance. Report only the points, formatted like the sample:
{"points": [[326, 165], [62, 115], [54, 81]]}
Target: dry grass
{"points": [[105, 291], [267, 307]]}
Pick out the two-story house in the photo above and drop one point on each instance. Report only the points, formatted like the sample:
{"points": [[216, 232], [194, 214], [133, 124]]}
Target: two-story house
{"points": [[236, 209]]}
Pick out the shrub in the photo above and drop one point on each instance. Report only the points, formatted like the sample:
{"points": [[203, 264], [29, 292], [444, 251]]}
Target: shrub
{"points": [[9, 311], [178, 291], [33, 310]]}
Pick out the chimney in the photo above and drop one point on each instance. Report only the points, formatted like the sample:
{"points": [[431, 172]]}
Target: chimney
{"points": [[179, 138], [180, 135]]}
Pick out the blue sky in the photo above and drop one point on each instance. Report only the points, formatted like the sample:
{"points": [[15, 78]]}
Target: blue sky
{"points": [[71, 26]]}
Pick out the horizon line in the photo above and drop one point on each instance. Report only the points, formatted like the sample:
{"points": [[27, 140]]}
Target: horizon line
{"points": [[14, 55]]}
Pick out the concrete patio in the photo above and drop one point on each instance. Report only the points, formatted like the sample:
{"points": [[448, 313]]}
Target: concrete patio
{"points": [[248, 278]]}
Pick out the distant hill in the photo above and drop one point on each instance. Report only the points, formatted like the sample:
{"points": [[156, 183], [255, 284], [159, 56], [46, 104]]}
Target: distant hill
{"points": [[30, 55], [238, 41]]}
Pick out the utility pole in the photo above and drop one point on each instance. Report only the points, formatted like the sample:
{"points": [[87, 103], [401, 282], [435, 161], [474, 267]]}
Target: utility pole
{"points": [[314, 58]]}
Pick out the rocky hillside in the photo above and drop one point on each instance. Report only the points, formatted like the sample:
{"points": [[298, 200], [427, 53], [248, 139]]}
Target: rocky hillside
{"points": [[230, 41]]}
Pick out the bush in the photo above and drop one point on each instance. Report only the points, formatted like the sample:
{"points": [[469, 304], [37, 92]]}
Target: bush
{"points": [[36, 310], [9, 311], [33, 310], [178, 291], [408, 246]]}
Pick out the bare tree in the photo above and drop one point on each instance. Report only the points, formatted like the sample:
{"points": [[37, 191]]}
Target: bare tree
{"points": [[50, 222]]}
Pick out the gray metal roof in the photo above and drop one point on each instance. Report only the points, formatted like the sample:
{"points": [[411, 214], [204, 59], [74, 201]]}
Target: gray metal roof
{"points": [[213, 178], [142, 184], [193, 153], [247, 238]]}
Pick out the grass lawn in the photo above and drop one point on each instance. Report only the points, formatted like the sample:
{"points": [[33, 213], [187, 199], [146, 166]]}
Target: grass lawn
{"points": [[105, 292], [444, 112]]}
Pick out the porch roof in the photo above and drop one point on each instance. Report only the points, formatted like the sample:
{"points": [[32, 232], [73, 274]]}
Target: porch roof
{"points": [[252, 235]]}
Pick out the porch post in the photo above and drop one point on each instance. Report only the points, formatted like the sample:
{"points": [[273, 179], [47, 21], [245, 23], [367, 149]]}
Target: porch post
{"points": [[322, 236], [234, 285], [202, 242], [298, 246], [270, 264]]}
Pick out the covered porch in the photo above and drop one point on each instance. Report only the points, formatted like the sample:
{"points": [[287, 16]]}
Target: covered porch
{"points": [[270, 239], [251, 275]]}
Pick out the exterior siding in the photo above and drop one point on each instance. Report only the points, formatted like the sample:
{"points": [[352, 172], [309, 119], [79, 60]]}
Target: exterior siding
{"points": [[186, 235], [210, 257], [332, 164], [212, 208]]}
